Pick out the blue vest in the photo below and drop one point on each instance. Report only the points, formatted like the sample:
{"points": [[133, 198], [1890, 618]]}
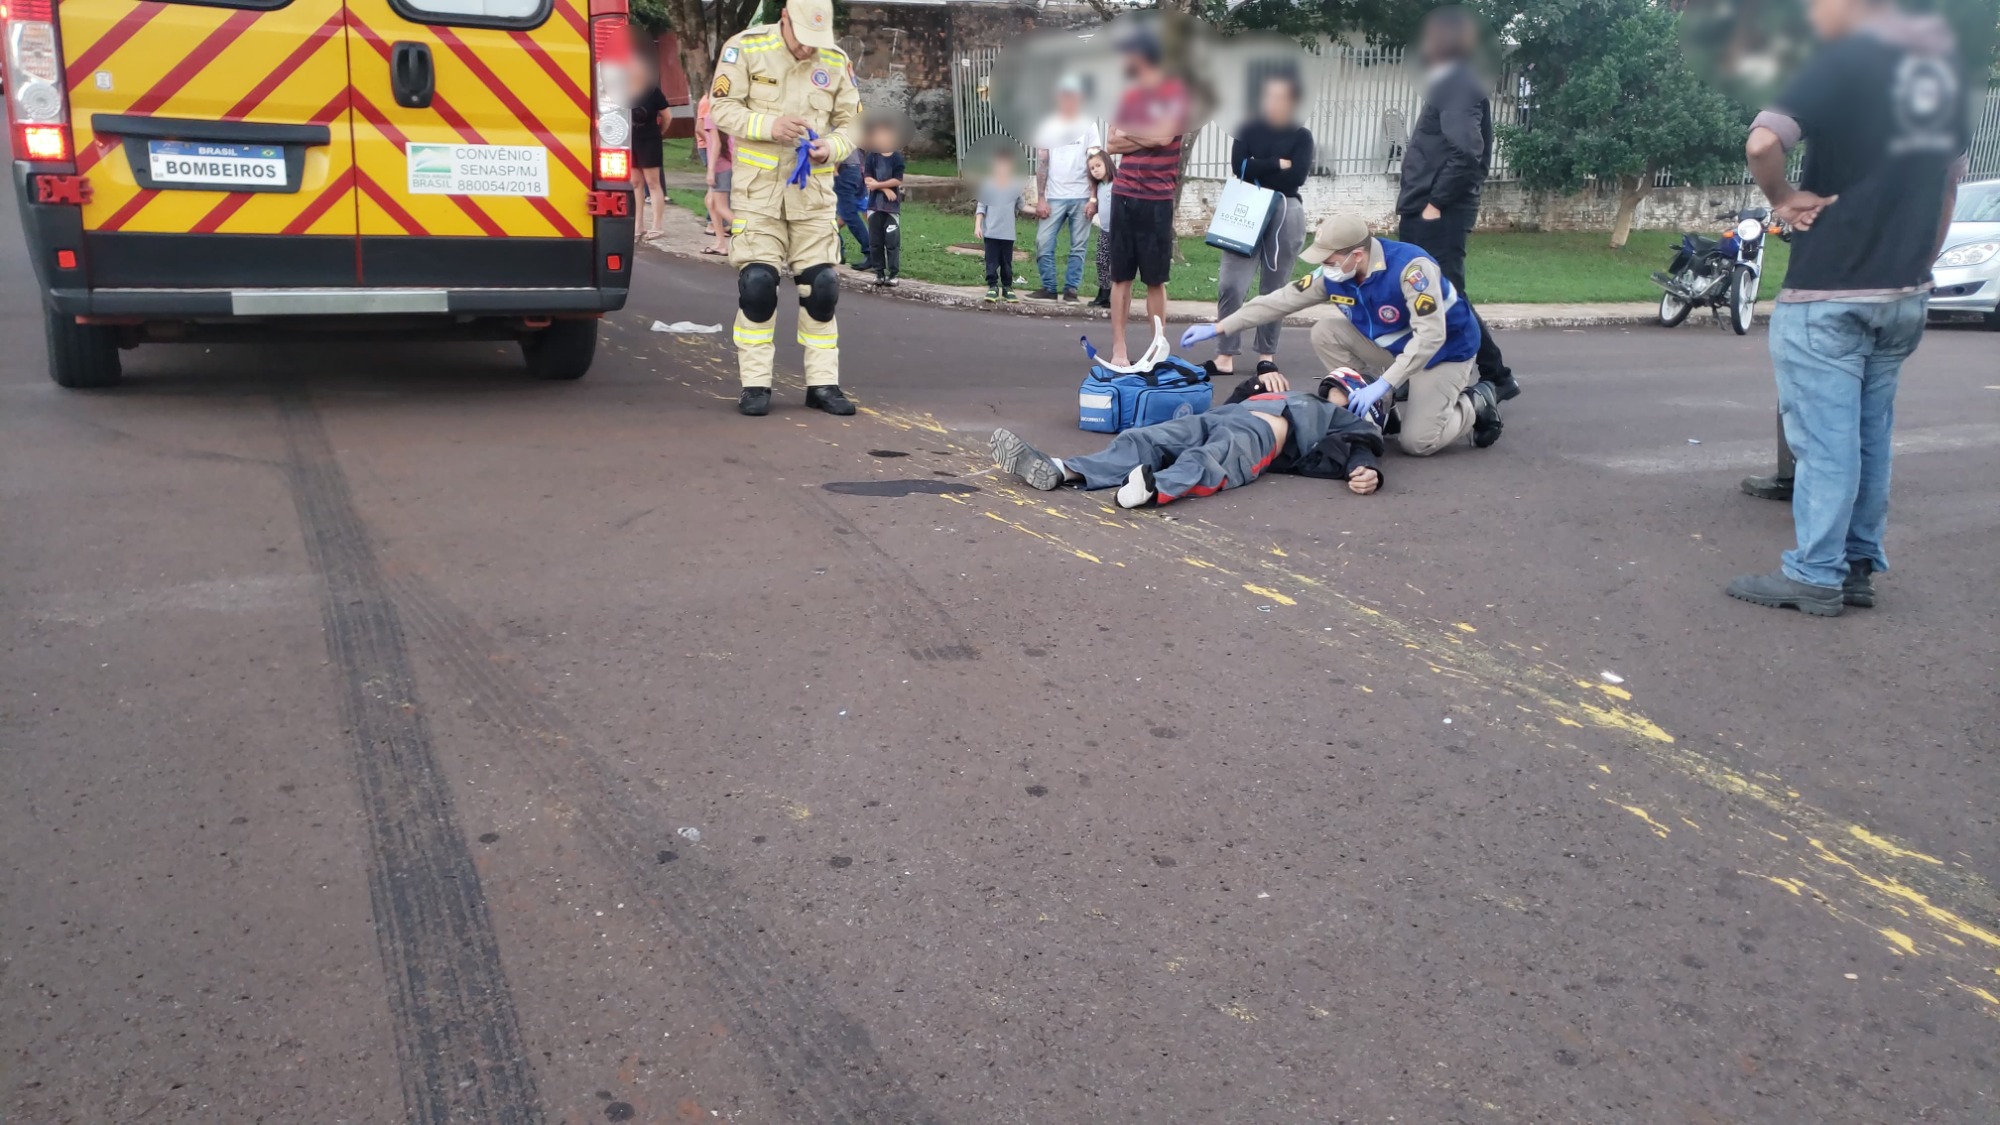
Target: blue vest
{"points": [[1376, 306]]}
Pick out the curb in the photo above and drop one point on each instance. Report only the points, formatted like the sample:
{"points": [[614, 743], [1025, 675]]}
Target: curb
{"points": [[942, 296]]}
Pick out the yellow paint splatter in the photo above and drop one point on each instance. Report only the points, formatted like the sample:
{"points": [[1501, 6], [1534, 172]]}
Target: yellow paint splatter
{"points": [[1887, 848], [1901, 941], [1366, 688], [1659, 829], [1978, 991], [1173, 966], [1017, 527], [1464, 628], [1918, 899], [1236, 1009], [1792, 885], [1605, 768], [1266, 592], [1086, 556], [1199, 564], [1280, 552], [1571, 723], [1691, 824], [1612, 690], [1619, 719]]}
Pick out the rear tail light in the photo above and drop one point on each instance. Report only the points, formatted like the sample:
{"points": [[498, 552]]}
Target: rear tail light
{"points": [[611, 77], [35, 95]]}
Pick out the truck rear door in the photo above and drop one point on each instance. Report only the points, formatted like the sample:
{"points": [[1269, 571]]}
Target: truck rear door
{"points": [[215, 139], [473, 142]]}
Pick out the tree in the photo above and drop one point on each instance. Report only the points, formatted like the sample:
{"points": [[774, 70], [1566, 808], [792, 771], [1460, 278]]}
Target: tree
{"points": [[1612, 99], [700, 29]]}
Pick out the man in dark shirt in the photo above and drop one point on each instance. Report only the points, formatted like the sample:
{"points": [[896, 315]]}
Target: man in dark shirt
{"points": [[1446, 161], [1881, 106], [1146, 136]]}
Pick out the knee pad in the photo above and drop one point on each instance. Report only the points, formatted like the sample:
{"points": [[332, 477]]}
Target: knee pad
{"points": [[757, 291], [819, 291]]}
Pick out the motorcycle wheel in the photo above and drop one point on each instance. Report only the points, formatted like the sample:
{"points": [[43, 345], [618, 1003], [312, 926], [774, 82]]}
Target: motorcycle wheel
{"points": [[1673, 309], [1742, 300]]}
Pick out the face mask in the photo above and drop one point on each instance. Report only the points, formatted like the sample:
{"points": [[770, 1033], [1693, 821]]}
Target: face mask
{"points": [[1339, 273]]}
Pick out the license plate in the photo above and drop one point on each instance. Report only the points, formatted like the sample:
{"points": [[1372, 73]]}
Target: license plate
{"points": [[199, 164]]}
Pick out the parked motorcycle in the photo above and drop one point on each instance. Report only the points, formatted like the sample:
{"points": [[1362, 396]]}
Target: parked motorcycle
{"points": [[1719, 273]]}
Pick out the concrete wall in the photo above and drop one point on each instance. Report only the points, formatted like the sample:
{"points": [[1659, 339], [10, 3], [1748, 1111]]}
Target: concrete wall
{"points": [[904, 54], [1504, 206]]}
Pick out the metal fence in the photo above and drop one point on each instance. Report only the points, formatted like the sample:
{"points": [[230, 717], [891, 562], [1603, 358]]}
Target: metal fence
{"points": [[1360, 101]]}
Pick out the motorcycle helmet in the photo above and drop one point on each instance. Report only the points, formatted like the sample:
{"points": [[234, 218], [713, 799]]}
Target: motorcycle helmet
{"points": [[1349, 381]]}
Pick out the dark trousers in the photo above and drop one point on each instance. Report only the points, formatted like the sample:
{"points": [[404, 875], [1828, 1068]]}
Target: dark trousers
{"points": [[1443, 238], [848, 197], [1000, 263], [885, 238]]}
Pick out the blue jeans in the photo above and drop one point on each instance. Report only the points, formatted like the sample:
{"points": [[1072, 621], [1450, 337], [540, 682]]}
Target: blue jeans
{"points": [[848, 197], [1837, 365], [1062, 211]]}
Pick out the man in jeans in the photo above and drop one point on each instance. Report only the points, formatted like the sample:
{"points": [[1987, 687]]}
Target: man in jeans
{"points": [[1881, 108], [1062, 188]]}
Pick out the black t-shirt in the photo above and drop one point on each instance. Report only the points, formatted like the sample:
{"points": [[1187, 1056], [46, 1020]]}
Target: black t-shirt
{"points": [[1883, 119], [1257, 149]]}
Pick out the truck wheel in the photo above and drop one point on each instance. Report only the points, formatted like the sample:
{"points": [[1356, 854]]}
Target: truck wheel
{"points": [[80, 355], [563, 350]]}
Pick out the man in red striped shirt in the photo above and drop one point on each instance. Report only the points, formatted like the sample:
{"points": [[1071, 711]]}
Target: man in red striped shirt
{"points": [[1146, 135]]}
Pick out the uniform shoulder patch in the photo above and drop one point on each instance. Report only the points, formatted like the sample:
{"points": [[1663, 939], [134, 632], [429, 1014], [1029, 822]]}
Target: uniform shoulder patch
{"points": [[721, 88], [1306, 282], [1424, 305], [1415, 279], [730, 54]]}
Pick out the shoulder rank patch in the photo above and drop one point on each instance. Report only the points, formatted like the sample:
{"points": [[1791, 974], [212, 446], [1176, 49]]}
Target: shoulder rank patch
{"points": [[1415, 279], [729, 54], [721, 89], [1424, 305], [1306, 282]]}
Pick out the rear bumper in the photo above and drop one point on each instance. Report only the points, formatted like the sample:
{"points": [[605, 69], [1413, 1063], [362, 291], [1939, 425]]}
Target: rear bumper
{"points": [[237, 304]]}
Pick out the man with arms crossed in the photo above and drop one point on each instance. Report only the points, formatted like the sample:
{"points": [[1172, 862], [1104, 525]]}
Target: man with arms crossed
{"points": [[1146, 135]]}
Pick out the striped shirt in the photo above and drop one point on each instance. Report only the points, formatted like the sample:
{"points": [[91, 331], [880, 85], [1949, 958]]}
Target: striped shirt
{"points": [[1151, 173]]}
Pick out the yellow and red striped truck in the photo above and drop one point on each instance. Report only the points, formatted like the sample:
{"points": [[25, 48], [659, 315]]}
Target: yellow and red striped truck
{"points": [[226, 168]]}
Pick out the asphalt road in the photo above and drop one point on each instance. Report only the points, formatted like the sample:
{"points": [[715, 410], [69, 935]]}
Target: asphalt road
{"points": [[354, 700]]}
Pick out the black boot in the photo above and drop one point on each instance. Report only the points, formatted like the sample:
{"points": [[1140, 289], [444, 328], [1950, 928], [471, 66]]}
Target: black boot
{"points": [[754, 401], [829, 399], [1503, 382], [1103, 300], [1486, 424]]}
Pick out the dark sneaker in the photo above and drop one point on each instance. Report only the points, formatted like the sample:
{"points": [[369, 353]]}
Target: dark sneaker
{"points": [[829, 399], [1038, 469], [1044, 295], [1859, 588], [1486, 424], [1780, 591], [1069, 295], [1505, 385], [754, 401], [1768, 488], [1009, 296]]}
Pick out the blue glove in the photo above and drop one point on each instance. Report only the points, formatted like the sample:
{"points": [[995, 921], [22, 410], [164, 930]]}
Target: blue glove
{"points": [[802, 171], [1359, 402], [1197, 334]]}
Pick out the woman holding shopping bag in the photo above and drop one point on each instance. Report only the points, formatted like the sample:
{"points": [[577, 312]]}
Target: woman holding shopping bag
{"points": [[1271, 151]]}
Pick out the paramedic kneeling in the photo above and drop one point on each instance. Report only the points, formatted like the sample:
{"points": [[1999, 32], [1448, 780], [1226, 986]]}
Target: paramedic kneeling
{"points": [[1403, 322]]}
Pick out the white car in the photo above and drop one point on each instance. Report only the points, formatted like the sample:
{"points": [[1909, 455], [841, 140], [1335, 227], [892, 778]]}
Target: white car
{"points": [[1967, 272]]}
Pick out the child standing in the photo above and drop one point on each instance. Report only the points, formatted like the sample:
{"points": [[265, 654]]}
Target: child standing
{"points": [[1102, 169], [999, 201], [882, 175]]}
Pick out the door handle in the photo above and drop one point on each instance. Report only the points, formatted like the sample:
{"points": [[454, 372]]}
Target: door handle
{"points": [[411, 76]]}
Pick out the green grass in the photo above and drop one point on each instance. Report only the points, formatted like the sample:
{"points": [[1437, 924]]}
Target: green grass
{"points": [[1561, 267]]}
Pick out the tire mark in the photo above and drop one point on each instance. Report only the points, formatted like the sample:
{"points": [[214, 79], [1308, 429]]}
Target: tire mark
{"points": [[927, 632], [823, 1067], [458, 1037]]}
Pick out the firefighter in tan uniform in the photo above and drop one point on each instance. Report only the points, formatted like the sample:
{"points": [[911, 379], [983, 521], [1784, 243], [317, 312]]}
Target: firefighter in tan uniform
{"points": [[772, 84]]}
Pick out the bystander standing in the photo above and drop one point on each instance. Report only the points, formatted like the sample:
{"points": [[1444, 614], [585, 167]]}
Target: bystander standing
{"points": [[1146, 134], [1273, 151], [1062, 190], [1880, 108]]}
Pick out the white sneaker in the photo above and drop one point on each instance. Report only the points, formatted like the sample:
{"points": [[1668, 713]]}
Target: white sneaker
{"points": [[1138, 490]]}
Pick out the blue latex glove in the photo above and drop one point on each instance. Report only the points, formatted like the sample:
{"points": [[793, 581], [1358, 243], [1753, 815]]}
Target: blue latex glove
{"points": [[1196, 334], [802, 171], [1359, 402]]}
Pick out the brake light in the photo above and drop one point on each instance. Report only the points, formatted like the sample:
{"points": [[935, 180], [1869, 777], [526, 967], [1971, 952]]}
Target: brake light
{"points": [[36, 98], [611, 76]]}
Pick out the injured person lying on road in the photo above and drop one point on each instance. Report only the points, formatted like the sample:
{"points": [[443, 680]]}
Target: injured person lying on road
{"points": [[1262, 428]]}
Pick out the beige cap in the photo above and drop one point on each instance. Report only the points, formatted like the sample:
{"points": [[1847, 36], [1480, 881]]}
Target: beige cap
{"points": [[812, 22], [1336, 233]]}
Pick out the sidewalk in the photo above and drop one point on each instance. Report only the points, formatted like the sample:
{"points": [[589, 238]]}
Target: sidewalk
{"points": [[683, 237]]}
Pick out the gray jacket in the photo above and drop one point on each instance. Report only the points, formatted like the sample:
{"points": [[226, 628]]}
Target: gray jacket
{"points": [[1451, 149]]}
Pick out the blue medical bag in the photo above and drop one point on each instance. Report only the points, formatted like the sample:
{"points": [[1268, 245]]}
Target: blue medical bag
{"points": [[1110, 401]]}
